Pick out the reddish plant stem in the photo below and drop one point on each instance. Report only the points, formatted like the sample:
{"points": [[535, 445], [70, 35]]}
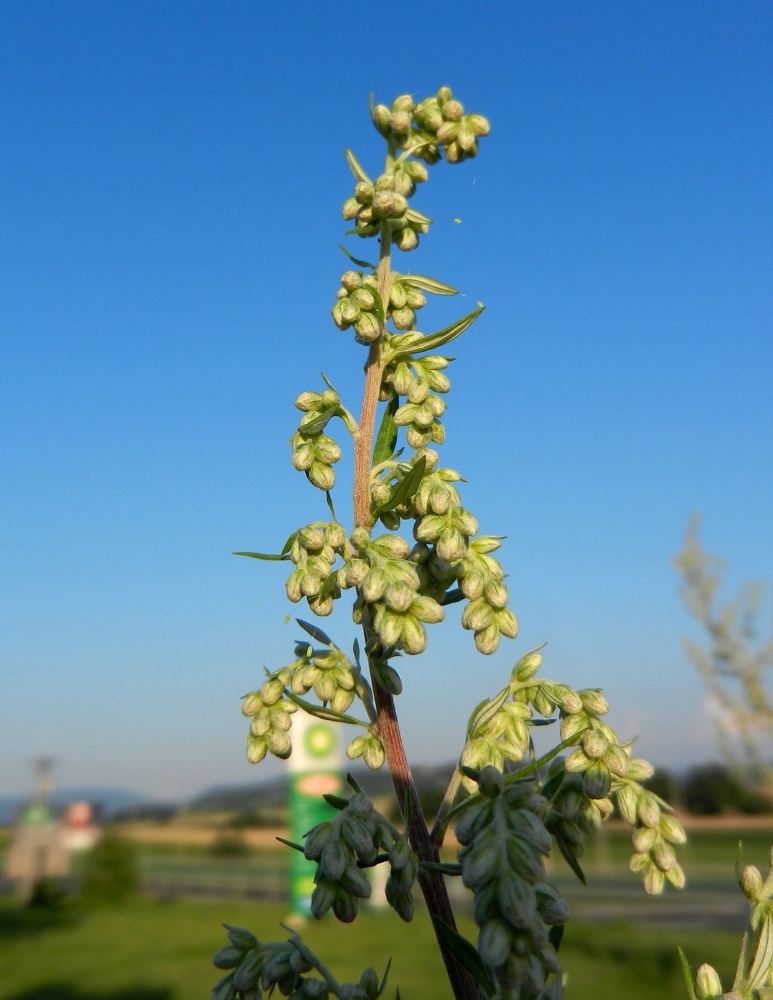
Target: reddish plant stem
{"points": [[432, 884]]}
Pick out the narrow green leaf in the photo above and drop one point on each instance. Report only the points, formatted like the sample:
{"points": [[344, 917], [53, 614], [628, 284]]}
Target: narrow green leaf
{"points": [[355, 167], [356, 260], [336, 801], [556, 935], [406, 488], [289, 543], [289, 843], [352, 782], [378, 306], [317, 425], [426, 284], [387, 432], [566, 849], [434, 340], [687, 973], [485, 713], [268, 557], [763, 958], [413, 216], [382, 984], [315, 633], [465, 953]]}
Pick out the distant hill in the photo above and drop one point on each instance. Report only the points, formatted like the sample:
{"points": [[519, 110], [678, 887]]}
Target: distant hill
{"points": [[272, 795]]}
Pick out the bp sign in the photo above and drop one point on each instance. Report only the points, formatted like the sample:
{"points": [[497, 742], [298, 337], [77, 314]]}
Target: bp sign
{"points": [[315, 769]]}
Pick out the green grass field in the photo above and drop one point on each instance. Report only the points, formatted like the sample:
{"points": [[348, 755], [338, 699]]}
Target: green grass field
{"points": [[155, 950], [150, 950]]}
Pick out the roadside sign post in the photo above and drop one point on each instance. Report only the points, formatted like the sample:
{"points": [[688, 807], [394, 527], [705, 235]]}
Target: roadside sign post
{"points": [[315, 769]]}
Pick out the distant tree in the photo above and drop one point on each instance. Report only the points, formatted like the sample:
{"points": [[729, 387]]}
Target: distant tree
{"points": [[711, 789], [735, 662]]}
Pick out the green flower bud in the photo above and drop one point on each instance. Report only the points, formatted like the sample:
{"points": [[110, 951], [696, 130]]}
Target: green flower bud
{"points": [[648, 810], [279, 744], [653, 880], [256, 748], [596, 781], [644, 839], [373, 753], [594, 744], [367, 327], [672, 830], [663, 855], [224, 988], [351, 208], [627, 801], [708, 985], [381, 118], [506, 622], [248, 973], [487, 639], [640, 770], [228, 957], [322, 476], [494, 943], [491, 782], [751, 884], [594, 702], [675, 877], [401, 122], [322, 898], [481, 861], [552, 906]]}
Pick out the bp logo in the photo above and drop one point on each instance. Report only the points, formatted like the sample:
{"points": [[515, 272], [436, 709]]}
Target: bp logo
{"points": [[319, 740]]}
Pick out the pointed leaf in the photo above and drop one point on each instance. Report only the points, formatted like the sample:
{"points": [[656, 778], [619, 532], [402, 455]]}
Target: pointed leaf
{"points": [[355, 260], [317, 425], [426, 284], [352, 782], [355, 167], [315, 633], [336, 801], [268, 557], [434, 340], [289, 543], [382, 984], [687, 973], [444, 867], [556, 935], [760, 967], [387, 432], [406, 488], [485, 713], [565, 848], [413, 216], [465, 953], [289, 843]]}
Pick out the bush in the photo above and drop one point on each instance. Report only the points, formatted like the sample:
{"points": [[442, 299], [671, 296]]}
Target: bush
{"points": [[110, 872], [711, 789]]}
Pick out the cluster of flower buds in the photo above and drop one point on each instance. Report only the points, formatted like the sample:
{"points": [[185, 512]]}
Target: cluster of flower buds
{"points": [[357, 306], [572, 815], [271, 718], [443, 117], [349, 843], [497, 733], [314, 550], [482, 583], [505, 842], [370, 748], [314, 452], [422, 421], [327, 671], [377, 202], [655, 832], [388, 586], [256, 967], [395, 123], [404, 299]]}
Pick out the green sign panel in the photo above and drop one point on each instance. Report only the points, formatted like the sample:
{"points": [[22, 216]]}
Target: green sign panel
{"points": [[315, 769]]}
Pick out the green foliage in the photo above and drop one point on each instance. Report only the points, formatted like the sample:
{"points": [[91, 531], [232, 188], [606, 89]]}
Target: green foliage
{"points": [[110, 873], [711, 790]]}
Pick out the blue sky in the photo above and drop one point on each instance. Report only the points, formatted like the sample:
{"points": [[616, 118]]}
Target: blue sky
{"points": [[171, 181]]}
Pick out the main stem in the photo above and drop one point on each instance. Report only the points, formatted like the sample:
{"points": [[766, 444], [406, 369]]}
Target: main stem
{"points": [[432, 884]]}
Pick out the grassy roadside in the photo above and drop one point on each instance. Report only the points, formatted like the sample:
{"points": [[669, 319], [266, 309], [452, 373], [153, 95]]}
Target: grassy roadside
{"points": [[149, 950]]}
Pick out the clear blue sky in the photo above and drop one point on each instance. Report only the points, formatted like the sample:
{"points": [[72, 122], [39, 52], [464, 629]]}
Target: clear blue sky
{"points": [[170, 188]]}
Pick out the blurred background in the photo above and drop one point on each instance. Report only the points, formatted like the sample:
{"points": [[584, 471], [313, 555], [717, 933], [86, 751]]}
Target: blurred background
{"points": [[171, 187]]}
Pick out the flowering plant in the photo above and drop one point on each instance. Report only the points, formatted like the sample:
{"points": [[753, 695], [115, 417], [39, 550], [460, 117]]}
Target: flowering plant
{"points": [[410, 550]]}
